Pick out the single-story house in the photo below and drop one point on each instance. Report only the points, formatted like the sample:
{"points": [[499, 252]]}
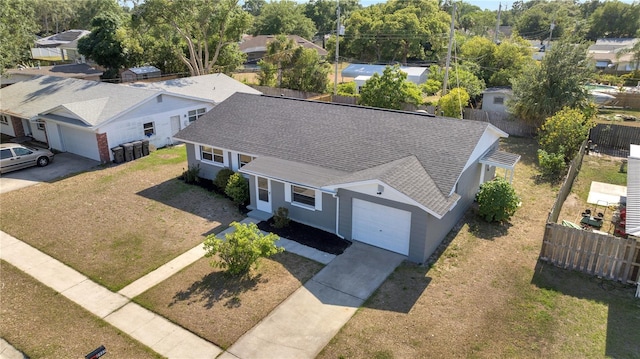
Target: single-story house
{"points": [[417, 75], [632, 223], [495, 98], [140, 73], [393, 179], [256, 46], [59, 47], [607, 56], [89, 118], [81, 71], [213, 87]]}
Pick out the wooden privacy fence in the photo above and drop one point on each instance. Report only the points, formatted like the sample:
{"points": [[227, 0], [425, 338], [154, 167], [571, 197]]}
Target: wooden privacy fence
{"points": [[563, 193], [593, 253], [501, 120], [615, 136]]}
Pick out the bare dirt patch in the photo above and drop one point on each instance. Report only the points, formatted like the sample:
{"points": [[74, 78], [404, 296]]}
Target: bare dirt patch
{"points": [[221, 308], [482, 297], [117, 223], [43, 324]]}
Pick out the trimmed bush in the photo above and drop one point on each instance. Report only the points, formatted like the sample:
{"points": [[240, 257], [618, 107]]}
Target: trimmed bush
{"points": [[237, 189], [241, 249], [222, 178], [191, 175], [552, 165], [281, 218], [497, 200]]}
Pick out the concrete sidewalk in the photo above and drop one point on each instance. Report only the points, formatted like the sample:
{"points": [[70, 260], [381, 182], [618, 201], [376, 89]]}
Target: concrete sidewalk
{"points": [[164, 337], [304, 323]]}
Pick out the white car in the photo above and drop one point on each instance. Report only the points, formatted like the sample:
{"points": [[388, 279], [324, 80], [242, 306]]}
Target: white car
{"points": [[14, 157]]}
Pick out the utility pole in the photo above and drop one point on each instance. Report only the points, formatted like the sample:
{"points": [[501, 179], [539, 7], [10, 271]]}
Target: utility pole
{"points": [[495, 37], [553, 24], [335, 75], [446, 68]]}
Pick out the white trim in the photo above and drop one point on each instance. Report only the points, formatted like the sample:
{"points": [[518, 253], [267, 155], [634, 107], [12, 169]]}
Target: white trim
{"points": [[318, 195], [287, 192]]}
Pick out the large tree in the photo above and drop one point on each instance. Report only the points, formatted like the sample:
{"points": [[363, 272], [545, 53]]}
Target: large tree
{"points": [[198, 30], [397, 31], [536, 22], [391, 90], [614, 19], [323, 13], [284, 17], [105, 44], [17, 31], [541, 91]]}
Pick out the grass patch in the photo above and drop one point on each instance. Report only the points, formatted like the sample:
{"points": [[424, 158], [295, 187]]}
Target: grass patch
{"points": [[118, 223], [44, 324], [220, 308]]}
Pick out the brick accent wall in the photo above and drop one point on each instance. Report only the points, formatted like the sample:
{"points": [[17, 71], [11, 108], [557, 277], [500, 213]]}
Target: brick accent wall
{"points": [[18, 129], [103, 147]]}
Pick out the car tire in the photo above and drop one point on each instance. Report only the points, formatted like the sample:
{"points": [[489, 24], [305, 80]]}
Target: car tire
{"points": [[42, 161]]}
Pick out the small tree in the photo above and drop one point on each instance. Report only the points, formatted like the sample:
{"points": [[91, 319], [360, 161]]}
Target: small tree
{"points": [[391, 90], [497, 200], [237, 189], [564, 132], [453, 103], [281, 217], [552, 165], [241, 249]]}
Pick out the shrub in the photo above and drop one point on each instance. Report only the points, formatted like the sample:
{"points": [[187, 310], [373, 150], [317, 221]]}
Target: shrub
{"points": [[431, 87], [552, 165], [241, 249], [564, 132], [191, 175], [222, 178], [281, 218], [237, 189], [347, 88], [497, 200], [453, 103]]}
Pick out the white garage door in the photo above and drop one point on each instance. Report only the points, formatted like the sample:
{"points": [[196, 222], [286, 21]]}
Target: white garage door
{"points": [[83, 143], [381, 226]]}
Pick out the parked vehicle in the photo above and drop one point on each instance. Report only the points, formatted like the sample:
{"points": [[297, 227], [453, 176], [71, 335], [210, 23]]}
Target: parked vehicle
{"points": [[14, 156]]}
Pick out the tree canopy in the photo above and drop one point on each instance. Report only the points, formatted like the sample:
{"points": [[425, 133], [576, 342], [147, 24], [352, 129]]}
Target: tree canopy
{"points": [[541, 91], [17, 22], [105, 44], [391, 90], [283, 17]]}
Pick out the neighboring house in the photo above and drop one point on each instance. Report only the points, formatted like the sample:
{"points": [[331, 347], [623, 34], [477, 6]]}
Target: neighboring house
{"points": [[214, 87], [606, 54], [393, 179], [256, 46], [632, 223], [77, 71], [89, 118], [140, 73], [417, 75], [495, 98], [59, 47]]}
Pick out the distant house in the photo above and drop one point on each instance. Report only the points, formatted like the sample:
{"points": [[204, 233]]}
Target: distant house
{"points": [[417, 75], [140, 73], [77, 71], [495, 98], [59, 47], [89, 118], [607, 56], [256, 46], [632, 223], [393, 179]]}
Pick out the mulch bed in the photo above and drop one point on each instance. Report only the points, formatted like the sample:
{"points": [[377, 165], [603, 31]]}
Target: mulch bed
{"points": [[308, 236]]}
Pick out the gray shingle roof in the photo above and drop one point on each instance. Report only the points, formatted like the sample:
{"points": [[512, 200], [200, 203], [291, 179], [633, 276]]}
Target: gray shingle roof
{"points": [[29, 98], [342, 138]]}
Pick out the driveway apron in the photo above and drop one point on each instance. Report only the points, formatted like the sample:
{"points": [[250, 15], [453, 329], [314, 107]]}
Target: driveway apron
{"points": [[304, 323]]}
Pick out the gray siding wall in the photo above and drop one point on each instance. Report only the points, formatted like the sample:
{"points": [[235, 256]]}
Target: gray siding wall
{"points": [[208, 171], [325, 219], [419, 222], [252, 193]]}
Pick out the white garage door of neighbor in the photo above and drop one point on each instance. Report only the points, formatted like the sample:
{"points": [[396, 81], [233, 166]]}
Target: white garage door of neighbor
{"points": [[381, 226], [80, 142]]}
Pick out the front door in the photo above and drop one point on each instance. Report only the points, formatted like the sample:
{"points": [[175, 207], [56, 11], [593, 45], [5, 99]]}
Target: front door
{"points": [[263, 201], [175, 124]]}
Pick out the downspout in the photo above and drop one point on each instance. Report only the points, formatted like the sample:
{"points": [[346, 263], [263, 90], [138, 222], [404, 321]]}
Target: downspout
{"points": [[335, 195]]}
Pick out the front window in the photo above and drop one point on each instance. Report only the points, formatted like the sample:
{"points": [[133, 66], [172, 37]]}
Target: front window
{"points": [[244, 159], [212, 154], [498, 100], [4, 119], [149, 129], [195, 114], [303, 195], [40, 126]]}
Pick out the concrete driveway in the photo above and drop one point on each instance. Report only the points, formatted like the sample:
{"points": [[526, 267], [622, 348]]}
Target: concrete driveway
{"points": [[64, 164]]}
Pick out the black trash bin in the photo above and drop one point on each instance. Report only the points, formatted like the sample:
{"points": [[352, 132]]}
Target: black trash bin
{"points": [[128, 151], [137, 149], [118, 154], [145, 147]]}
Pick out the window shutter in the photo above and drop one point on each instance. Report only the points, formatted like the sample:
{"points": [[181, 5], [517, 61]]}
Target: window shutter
{"points": [[318, 200], [198, 150], [287, 192]]}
